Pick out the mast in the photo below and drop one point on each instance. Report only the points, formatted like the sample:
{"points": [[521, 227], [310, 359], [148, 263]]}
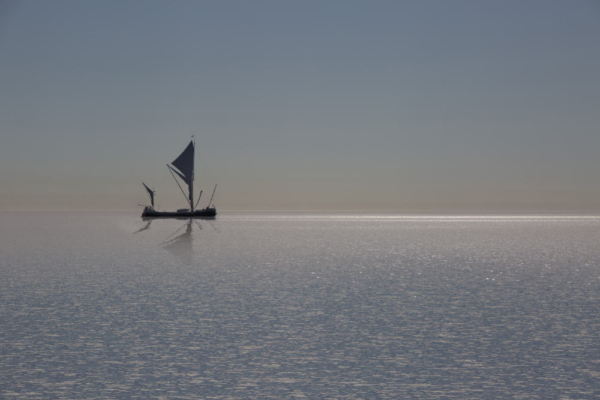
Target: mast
{"points": [[192, 181], [191, 186]]}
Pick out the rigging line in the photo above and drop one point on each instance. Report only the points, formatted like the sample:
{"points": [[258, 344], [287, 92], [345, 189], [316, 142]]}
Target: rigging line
{"points": [[200, 195], [173, 175], [213, 195]]}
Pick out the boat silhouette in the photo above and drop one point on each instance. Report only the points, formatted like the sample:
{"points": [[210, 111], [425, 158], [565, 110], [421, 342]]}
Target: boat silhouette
{"points": [[183, 167]]}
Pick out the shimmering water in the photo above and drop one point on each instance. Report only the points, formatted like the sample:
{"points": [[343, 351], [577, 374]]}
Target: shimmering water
{"points": [[299, 306]]}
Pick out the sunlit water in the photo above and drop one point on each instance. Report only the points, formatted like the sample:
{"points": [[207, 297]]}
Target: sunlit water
{"points": [[299, 306]]}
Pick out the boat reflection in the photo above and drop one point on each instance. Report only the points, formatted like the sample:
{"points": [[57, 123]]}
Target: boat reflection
{"points": [[180, 242]]}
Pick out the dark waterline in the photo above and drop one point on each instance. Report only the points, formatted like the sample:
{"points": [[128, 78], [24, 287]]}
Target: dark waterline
{"points": [[290, 305]]}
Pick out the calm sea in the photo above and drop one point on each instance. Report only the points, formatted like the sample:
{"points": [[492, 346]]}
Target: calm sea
{"points": [[256, 306]]}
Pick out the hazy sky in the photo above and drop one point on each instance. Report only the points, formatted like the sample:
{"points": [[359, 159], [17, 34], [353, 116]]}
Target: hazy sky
{"points": [[306, 105]]}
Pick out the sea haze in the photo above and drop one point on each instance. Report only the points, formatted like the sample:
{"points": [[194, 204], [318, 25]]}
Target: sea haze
{"points": [[299, 306]]}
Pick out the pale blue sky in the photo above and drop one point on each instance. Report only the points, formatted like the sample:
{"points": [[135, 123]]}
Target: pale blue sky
{"points": [[308, 105]]}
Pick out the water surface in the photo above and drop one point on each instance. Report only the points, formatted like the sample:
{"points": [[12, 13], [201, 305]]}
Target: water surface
{"points": [[299, 306]]}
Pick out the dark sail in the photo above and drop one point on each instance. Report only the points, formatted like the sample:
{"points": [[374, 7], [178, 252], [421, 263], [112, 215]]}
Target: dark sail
{"points": [[151, 193], [185, 164]]}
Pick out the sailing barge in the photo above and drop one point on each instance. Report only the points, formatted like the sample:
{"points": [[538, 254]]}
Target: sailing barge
{"points": [[183, 167]]}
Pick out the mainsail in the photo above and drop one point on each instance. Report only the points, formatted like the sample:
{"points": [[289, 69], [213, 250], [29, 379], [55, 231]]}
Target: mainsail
{"points": [[185, 169], [185, 164]]}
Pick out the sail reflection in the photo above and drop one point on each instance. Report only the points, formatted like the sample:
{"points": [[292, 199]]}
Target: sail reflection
{"points": [[180, 243]]}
